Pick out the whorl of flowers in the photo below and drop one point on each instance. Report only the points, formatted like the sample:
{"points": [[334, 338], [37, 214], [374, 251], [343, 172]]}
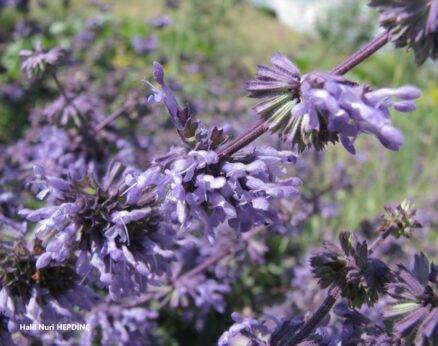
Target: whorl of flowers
{"points": [[206, 188], [38, 61], [320, 108], [414, 302], [361, 278], [129, 326], [239, 191], [117, 234], [30, 293], [412, 24]]}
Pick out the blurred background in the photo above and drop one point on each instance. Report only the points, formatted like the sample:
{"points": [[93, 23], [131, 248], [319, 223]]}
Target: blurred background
{"points": [[210, 49]]}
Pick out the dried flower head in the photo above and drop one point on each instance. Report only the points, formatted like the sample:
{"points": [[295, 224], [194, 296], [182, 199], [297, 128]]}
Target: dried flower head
{"points": [[414, 302], [38, 61], [278, 88], [362, 278], [400, 220], [412, 24]]}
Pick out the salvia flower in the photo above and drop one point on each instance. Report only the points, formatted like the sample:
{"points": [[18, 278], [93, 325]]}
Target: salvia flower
{"points": [[118, 325], [414, 302], [117, 236], [30, 293], [332, 108], [318, 108], [411, 24], [38, 61], [193, 133], [246, 332], [78, 110], [238, 191], [361, 278]]}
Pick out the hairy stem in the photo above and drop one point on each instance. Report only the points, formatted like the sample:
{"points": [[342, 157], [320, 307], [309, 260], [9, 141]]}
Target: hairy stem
{"points": [[362, 54], [113, 116], [244, 139], [61, 89], [328, 303], [262, 126], [383, 235]]}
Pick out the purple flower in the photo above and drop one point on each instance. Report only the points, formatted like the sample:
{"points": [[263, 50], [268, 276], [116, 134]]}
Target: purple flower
{"points": [[238, 191], [79, 110], [144, 45], [115, 324], [245, 332], [37, 62], [193, 134], [414, 302], [119, 239], [161, 21], [333, 108], [412, 24], [318, 108]]}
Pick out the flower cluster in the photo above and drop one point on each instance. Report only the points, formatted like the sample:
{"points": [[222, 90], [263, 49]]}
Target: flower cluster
{"points": [[360, 277], [317, 108], [129, 326], [118, 237], [37, 62], [31, 294], [412, 24], [238, 191], [414, 302], [148, 234]]}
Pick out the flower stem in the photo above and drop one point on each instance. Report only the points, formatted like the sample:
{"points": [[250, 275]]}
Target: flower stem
{"points": [[262, 126], [113, 116], [61, 89], [361, 55], [244, 139], [328, 303], [383, 235]]}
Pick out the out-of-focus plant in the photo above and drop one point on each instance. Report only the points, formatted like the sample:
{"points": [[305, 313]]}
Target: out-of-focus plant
{"points": [[355, 25]]}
